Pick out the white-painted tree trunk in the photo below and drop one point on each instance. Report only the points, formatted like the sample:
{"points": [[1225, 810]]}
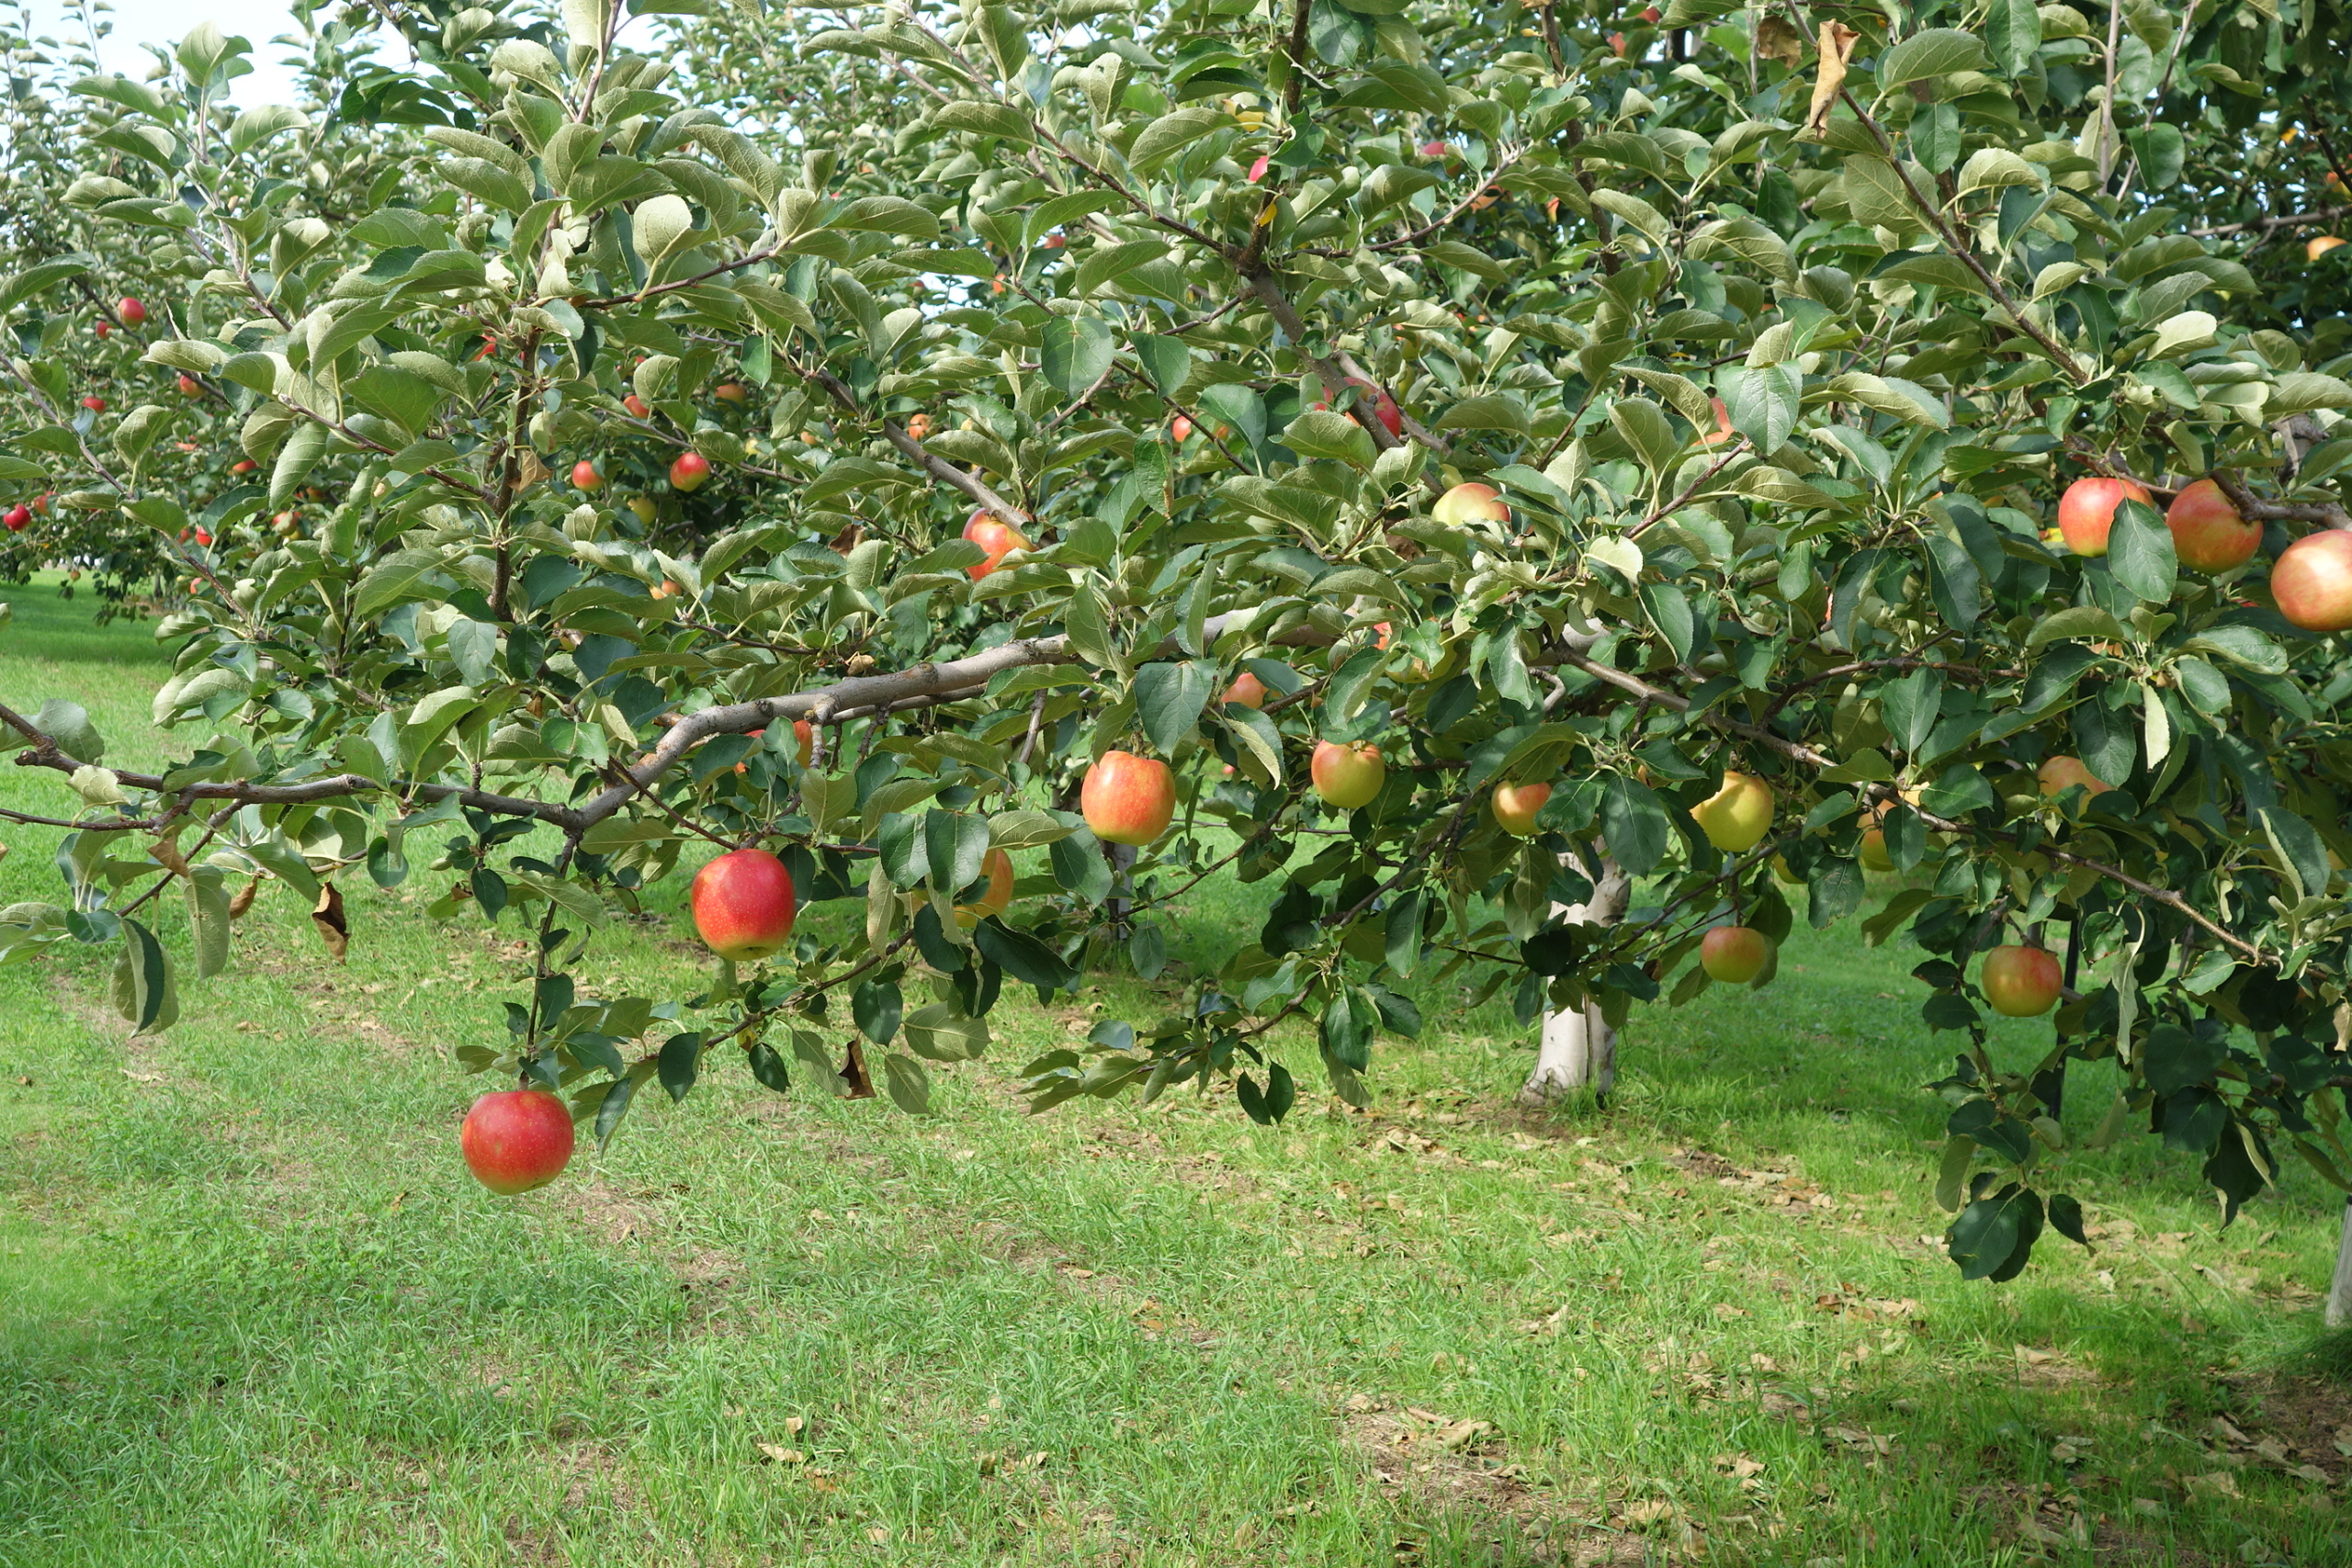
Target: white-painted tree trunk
{"points": [[2339, 1290], [1578, 1050]]}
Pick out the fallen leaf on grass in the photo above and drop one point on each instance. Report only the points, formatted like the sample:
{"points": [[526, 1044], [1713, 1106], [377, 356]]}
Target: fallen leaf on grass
{"points": [[782, 1455]]}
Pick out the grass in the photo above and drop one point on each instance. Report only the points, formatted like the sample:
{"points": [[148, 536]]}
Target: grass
{"points": [[253, 1311]]}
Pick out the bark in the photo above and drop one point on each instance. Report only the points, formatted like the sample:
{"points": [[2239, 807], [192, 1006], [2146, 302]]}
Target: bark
{"points": [[2339, 1290], [1579, 1049]]}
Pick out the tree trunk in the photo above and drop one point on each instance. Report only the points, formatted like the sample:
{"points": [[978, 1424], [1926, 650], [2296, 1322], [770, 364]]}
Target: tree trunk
{"points": [[2339, 1290], [1579, 1049]]}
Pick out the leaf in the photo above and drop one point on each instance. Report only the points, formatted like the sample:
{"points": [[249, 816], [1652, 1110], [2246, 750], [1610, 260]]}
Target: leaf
{"points": [[143, 989], [1762, 403], [943, 1033], [1169, 697], [2302, 854], [2075, 621], [207, 918], [1075, 352], [1490, 412], [1161, 140], [327, 919], [69, 725], [908, 1084], [955, 846], [1634, 822], [1022, 955], [1319, 433], [1937, 51], [768, 1067], [680, 1063], [1270, 1106], [2013, 35], [398, 577], [878, 1007], [2139, 552]]}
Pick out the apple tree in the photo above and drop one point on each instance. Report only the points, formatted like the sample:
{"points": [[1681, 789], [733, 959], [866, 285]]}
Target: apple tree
{"points": [[1529, 488]]}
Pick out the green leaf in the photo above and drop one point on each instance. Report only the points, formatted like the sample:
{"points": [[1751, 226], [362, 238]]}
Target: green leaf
{"points": [[680, 1063], [398, 577], [1156, 144], [768, 1067], [2302, 855], [1937, 51], [2013, 36], [1490, 412], [1634, 822], [1022, 955], [1762, 403], [1075, 352], [207, 918], [2075, 621], [955, 847], [941, 1033], [2139, 552], [908, 1083], [1269, 1106], [1169, 699]]}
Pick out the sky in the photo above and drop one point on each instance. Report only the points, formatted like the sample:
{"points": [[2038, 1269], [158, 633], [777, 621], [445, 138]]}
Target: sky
{"points": [[163, 21]]}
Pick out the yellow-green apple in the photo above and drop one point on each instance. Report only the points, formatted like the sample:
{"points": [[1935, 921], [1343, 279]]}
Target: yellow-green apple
{"points": [[2312, 580], [1247, 690], [1737, 816], [1471, 503], [1734, 954], [2087, 512], [2208, 535], [1128, 799], [1873, 851], [1347, 777], [997, 538], [743, 905], [643, 505], [1517, 806], [689, 472], [2020, 982], [2060, 775], [2316, 248], [516, 1139], [996, 897]]}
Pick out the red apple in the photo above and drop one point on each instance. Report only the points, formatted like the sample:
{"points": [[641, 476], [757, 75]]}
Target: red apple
{"points": [[2312, 580], [997, 866], [1734, 954], [2020, 982], [1055, 241], [636, 405], [805, 734], [190, 386], [690, 472], [1258, 169], [731, 392], [2060, 773], [1723, 431], [1247, 690], [1128, 799], [19, 518], [1617, 43], [1650, 15], [243, 465], [1347, 777], [743, 905], [131, 311], [1383, 407], [996, 538], [1180, 428], [1737, 816], [516, 1140], [1435, 150], [2087, 512], [1467, 503], [2208, 535], [103, 328], [203, 539], [1516, 807], [95, 403], [585, 477]]}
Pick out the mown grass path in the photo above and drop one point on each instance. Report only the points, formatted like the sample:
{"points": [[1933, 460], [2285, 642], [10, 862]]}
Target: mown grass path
{"points": [[253, 1311]]}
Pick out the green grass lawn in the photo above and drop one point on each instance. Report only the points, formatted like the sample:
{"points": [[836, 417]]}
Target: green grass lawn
{"points": [[253, 1311]]}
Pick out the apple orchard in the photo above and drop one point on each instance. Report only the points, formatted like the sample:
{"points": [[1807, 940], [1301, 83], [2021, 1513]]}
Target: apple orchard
{"points": [[1547, 496]]}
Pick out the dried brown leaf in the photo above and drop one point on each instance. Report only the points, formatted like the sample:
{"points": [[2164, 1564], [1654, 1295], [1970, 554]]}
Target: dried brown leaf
{"points": [[1838, 43], [333, 930]]}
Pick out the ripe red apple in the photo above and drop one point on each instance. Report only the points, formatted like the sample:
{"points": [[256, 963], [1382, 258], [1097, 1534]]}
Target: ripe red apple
{"points": [[243, 465], [19, 518], [131, 311], [1467, 503], [1128, 799], [997, 866], [1180, 428], [2208, 535], [585, 475], [1737, 816], [1734, 954], [743, 905], [689, 472], [919, 426], [1247, 690], [2060, 773], [103, 328], [805, 734], [731, 392], [1617, 43], [2020, 982], [189, 386], [95, 403], [2087, 512], [203, 539], [1055, 241], [1650, 15], [516, 1140], [636, 406], [2312, 580], [1435, 150], [1258, 169], [1347, 777], [997, 538], [1516, 807]]}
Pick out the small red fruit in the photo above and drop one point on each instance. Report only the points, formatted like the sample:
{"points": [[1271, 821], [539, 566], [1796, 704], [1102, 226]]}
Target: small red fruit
{"points": [[1517, 806], [1128, 799], [2087, 512], [516, 1140], [636, 405], [103, 328], [1347, 776], [1180, 428], [95, 403], [585, 475], [189, 387], [690, 472], [1258, 169], [997, 539], [243, 465], [806, 733], [2312, 582], [1734, 954], [731, 392], [131, 311], [743, 905], [2020, 982], [2208, 535], [17, 519], [1247, 690]]}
